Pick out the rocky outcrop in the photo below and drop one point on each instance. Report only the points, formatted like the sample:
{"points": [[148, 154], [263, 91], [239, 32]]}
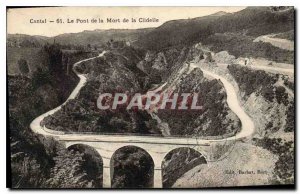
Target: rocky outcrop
{"points": [[160, 62], [206, 122], [113, 73], [224, 57]]}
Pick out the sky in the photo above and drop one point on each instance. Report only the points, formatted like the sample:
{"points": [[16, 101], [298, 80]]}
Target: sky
{"points": [[20, 20]]}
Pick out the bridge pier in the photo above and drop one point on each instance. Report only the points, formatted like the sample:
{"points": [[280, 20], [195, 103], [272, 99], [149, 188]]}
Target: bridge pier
{"points": [[157, 159], [157, 179], [106, 177], [107, 171]]}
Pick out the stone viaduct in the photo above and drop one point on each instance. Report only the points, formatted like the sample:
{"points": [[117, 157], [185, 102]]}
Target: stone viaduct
{"points": [[156, 147]]}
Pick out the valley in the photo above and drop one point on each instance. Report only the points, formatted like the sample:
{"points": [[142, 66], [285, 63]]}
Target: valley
{"points": [[240, 66]]}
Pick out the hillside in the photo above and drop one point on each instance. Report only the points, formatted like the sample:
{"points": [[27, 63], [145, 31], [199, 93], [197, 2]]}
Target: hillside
{"points": [[92, 37], [23, 40], [98, 37], [104, 76], [253, 21], [38, 161]]}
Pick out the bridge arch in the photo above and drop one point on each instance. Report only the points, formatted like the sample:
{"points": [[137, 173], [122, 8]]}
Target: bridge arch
{"points": [[174, 165], [131, 167], [93, 163]]}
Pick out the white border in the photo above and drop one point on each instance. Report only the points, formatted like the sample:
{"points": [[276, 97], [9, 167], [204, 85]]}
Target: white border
{"points": [[4, 3]]}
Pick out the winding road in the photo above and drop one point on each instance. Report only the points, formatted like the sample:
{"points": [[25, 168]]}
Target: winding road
{"points": [[36, 123], [232, 100], [248, 127], [277, 42], [281, 70]]}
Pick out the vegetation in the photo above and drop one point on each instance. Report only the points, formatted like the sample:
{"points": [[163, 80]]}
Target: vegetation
{"points": [[254, 81], [241, 45], [284, 167], [290, 118], [25, 41], [252, 21], [262, 83], [35, 161], [105, 76], [207, 121], [288, 83], [133, 168], [33, 56], [23, 66], [289, 35], [86, 40], [73, 170], [178, 162], [281, 96]]}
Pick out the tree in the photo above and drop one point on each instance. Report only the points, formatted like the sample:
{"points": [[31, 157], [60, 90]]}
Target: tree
{"points": [[133, 168], [208, 57], [54, 53], [23, 66], [89, 47], [67, 172]]}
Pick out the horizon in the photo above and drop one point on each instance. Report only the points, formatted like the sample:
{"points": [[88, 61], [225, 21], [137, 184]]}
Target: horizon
{"points": [[81, 31], [22, 16]]}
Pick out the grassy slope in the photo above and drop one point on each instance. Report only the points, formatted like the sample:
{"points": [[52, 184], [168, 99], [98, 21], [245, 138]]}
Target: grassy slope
{"points": [[253, 21], [33, 56], [289, 35], [242, 157]]}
